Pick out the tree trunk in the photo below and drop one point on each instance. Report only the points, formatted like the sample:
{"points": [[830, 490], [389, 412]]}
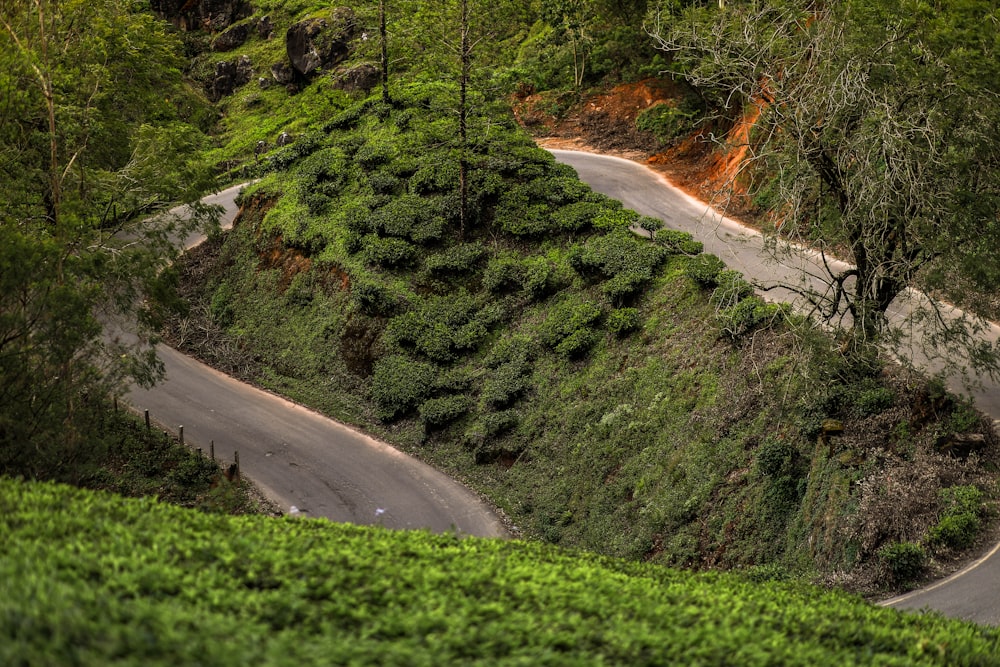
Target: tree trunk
{"points": [[384, 44], [463, 166]]}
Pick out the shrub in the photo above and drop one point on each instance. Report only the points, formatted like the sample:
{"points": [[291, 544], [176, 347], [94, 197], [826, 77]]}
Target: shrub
{"points": [[623, 321], [442, 326], [616, 219], [350, 117], [618, 255], [871, 399], [731, 289], [430, 337], [705, 269], [623, 287], [679, 243], [567, 319], [490, 425], [747, 316], [401, 215], [960, 520], [558, 190], [650, 225], [519, 348], [577, 343], [904, 561], [374, 153], [666, 122], [386, 251], [956, 531], [774, 457], [502, 274], [383, 183], [400, 384], [536, 276], [356, 214], [576, 216], [520, 214], [539, 276], [372, 299], [434, 176], [438, 412], [506, 383], [456, 259]]}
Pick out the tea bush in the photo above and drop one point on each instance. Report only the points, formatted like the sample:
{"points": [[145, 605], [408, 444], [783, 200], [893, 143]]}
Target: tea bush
{"points": [[904, 561], [704, 269], [400, 384], [438, 412], [93, 579]]}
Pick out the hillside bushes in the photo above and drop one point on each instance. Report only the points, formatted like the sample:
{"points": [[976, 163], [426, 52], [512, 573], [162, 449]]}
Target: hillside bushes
{"points": [[608, 390], [139, 582]]}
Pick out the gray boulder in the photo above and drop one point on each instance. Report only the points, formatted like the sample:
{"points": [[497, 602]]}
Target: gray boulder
{"points": [[265, 27], [282, 73], [362, 77], [230, 75], [320, 42], [231, 38]]}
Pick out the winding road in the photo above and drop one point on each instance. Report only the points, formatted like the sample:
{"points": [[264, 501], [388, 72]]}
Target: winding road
{"points": [[298, 457], [972, 593]]}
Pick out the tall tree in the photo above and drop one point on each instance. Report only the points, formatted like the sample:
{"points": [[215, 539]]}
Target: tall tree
{"points": [[874, 136], [383, 39], [89, 139]]}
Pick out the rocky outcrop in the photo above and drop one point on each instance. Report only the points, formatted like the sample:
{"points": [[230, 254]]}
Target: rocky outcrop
{"points": [[209, 15], [320, 43], [362, 77], [264, 27], [232, 38], [230, 75], [283, 73]]}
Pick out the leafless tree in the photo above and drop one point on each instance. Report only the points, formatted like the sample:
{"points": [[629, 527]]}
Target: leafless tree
{"points": [[867, 141]]}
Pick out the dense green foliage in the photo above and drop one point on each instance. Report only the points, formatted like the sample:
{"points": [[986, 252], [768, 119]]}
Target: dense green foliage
{"points": [[90, 579], [607, 390], [97, 127], [413, 264]]}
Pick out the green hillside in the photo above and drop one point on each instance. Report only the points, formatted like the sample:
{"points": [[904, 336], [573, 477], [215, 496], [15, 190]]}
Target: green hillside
{"points": [[94, 579], [607, 391], [414, 265]]}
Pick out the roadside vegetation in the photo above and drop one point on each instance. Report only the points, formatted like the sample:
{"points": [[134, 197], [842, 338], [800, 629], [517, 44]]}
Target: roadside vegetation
{"points": [[607, 391], [94, 579], [408, 261]]}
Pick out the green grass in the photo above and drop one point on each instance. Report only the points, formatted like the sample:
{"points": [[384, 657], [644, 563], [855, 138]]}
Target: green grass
{"points": [[95, 579]]}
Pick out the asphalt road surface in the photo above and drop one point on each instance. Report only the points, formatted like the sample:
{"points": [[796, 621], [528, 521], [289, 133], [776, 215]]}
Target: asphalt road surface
{"points": [[299, 457], [972, 593]]}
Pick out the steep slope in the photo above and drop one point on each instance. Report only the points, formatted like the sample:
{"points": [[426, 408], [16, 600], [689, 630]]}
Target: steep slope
{"points": [[607, 391]]}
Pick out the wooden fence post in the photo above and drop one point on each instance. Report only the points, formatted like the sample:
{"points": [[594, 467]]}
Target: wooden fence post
{"points": [[237, 457], [180, 434], [146, 412], [211, 449]]}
